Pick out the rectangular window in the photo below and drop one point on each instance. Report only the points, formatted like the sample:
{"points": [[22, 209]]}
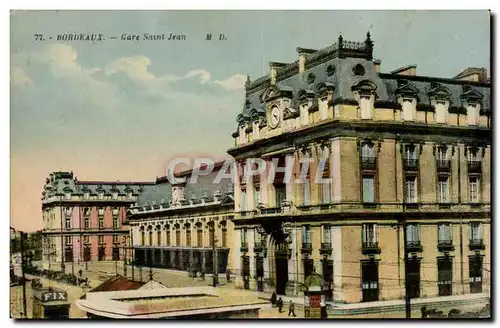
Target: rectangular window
{"points": [[444, 233], [368, 189], [280, 194], [168, 237], [475, 232], [410, 152], [243, 237], [115, 239], [68, 240], [326, 233], [473, 155], [86, 211], [86, 239], [101, 222], [367, 151], [101, 239], [307, 192], [445, 275], [243, 200], [256, 195], [115, 223], [306, 234], [413, 233], [442, 154], [443, 190], [68, 224], [473, 189], [411, 189], [87, 223], [325, 191], [369, 233]]}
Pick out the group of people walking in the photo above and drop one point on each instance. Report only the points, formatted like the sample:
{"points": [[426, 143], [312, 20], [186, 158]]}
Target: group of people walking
{"points": [[279, 304]]}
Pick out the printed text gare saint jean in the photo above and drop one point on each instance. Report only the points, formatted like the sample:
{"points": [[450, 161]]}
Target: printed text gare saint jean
{"points": [[97, 37]]}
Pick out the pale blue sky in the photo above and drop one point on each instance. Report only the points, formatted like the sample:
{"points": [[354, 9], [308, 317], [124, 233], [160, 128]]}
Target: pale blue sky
{"points": [[119, 110]]}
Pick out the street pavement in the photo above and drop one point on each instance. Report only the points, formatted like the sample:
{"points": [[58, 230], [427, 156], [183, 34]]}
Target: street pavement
{"points": [[97, 272]]}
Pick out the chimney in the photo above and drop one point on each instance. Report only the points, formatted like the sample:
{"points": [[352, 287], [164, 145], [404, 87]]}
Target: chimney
{"points": [[377, 63], [473, 74], [410, 70], [273, 70], [303, 52]]}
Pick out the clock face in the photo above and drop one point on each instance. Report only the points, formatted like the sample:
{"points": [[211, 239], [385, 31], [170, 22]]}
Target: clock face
{"points": [[275, 117]]}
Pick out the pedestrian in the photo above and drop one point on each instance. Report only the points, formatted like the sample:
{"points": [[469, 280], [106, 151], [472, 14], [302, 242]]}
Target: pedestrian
{"points": [[280, 304], [273, 299], [203, 275], [228, 275], [424, 312], [80, 273], [291, 309]]}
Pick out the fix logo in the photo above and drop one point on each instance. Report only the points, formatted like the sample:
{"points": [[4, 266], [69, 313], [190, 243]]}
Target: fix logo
{"points": [[54, 296]]}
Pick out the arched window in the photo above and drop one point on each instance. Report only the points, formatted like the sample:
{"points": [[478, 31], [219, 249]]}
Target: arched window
{"points": [[188, 234], [158, 235]]}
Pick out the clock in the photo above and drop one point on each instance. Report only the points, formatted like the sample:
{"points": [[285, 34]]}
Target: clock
{"points": [[275, 117]]}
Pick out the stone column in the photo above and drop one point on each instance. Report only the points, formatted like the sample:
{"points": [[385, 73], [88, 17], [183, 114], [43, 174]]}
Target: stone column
{"points": [[267, 268], [237, 269], [251, 253], [172, 258], [203, 260], [289, 185], [181, 260], [191, 257], [293, 261]]}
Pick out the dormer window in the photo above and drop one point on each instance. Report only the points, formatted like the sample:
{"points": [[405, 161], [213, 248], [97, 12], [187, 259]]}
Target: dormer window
{"points": [[441, 111], [409, 109], [129, 195], [115, 195], [101, 195], [473, 113], [67, 195], [86, 195], [323, 108]]}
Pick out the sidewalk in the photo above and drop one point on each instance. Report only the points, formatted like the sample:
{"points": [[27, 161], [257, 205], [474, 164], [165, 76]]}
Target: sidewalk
{"points": [[477, 300]]}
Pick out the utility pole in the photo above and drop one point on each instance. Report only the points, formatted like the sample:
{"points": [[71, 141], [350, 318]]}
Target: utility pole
{"points": [[407, 285], [214, 253], [25, 313]]}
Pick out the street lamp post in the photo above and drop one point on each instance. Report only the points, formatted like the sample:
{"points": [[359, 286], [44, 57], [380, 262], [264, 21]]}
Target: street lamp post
{"points": [[124, 244]]}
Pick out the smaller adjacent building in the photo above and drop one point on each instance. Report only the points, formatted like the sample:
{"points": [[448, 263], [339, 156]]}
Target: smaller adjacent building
{"points": [[182, 225], [50, 303], [172, 303], [85, 220]]}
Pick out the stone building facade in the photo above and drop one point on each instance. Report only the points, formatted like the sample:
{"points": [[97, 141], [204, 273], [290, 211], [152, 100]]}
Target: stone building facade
{"points": [[403, 152], [85, 221], [178, 226]]}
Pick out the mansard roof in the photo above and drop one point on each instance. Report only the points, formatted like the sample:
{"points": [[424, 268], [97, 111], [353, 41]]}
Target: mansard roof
{"points": [[341, 69]]}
